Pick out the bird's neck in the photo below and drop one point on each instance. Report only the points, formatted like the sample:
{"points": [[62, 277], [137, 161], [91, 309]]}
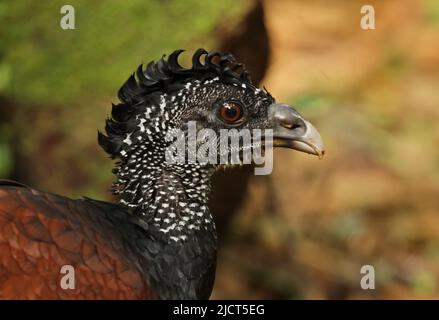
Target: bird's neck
{"points": [[171, 199], [179, 248]]}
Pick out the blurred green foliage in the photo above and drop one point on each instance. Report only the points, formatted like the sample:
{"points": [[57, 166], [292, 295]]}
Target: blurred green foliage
{"points": [[431, 11], [41, 62], [5, 159], [315, 102]]}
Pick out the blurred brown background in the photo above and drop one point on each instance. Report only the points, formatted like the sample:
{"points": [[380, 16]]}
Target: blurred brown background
{"points": [[304, 231]]}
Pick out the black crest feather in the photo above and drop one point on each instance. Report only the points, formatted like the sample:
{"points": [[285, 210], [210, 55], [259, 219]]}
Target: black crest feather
{"points": [[164, 76]]}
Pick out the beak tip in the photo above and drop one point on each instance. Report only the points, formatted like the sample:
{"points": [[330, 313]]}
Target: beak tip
{"points": [[299, 134]]}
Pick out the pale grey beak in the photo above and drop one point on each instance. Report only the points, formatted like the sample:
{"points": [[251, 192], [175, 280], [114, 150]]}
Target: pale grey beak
{"points": [[290, 130]]}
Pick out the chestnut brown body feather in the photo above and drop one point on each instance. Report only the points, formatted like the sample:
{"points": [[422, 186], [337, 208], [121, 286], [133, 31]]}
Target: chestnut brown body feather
{"points": [[41, 232]]}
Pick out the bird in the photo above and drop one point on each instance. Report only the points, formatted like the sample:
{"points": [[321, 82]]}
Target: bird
{"points": [[158, 241]]}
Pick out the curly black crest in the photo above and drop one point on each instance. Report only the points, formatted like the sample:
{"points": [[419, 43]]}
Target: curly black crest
{"points": [[165, 76]]}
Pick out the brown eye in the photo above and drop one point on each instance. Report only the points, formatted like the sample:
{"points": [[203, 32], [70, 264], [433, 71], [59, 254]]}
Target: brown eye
{"points": [[230, 112]]}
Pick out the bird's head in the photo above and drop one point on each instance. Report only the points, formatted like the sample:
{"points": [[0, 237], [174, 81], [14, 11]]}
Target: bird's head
{"points": [[215, 94]]}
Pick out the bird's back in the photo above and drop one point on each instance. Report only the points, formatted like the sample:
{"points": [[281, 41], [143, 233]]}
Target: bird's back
{"points": [[41, 233]]}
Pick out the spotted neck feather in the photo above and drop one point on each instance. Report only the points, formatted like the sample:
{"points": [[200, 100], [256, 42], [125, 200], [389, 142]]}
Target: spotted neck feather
{"points": [[172, 200]]}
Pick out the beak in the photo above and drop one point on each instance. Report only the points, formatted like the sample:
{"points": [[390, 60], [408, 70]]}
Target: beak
{"points": [[290, 130]]}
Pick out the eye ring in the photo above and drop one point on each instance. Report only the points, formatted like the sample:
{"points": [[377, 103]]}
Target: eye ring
{"points": [[230, 112]]}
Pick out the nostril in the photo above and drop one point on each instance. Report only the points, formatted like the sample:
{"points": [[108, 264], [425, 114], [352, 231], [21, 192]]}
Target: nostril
{"points": [[296, 126], [286, 117], [285, 123], [292, 124]]}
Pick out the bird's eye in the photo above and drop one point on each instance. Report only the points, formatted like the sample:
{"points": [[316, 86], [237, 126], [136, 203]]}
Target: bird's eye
{"points": [[230, 112]]}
